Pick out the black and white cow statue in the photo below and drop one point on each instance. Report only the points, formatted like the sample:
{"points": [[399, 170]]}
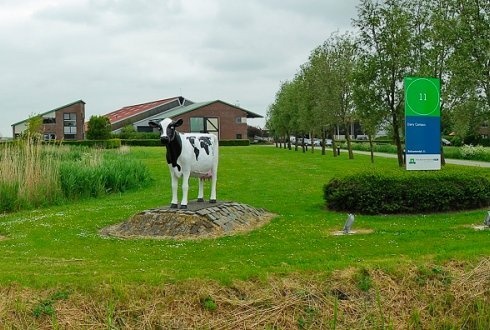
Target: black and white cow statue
{"points": [[189, 154]]}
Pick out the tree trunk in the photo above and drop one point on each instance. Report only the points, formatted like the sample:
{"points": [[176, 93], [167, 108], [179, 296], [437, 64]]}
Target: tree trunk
{"points": [[398, 142], [324, 138], [371, 147], [334, 144], [443, 159], [311, 141], [349, 145]]}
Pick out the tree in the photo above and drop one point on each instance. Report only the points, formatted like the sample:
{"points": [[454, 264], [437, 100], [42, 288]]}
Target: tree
{"points": [[331, 71], [305, 102], [368, 102], [322, 88], [385, 37], [253, 132], [433, 24], [470, 65], [98, 128], [34, 128], [343, 60], [282, 115]]}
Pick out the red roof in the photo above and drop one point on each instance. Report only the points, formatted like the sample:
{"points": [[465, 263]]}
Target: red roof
{"points": [[133, 110]]}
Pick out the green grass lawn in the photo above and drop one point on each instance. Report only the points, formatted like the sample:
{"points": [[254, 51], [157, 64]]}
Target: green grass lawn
{"points": [[60, 245]]}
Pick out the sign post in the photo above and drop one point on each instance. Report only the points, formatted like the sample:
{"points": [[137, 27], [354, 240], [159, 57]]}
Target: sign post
{"points": [[422, 123]]}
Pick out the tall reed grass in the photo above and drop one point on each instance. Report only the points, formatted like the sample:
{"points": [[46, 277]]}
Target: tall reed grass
{"points": [[27, 177], [34, 175], [99, 172]]}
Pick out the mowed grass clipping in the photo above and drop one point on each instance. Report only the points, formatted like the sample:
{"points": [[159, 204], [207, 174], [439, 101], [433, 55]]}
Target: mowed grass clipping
{"points": [[61, 245]]}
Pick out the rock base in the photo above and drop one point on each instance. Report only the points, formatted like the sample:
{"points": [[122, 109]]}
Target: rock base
{"points": [[199, 220]]}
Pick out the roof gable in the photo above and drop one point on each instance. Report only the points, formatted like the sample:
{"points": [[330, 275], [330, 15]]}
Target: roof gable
{"points": [[49, 111], [133, 110], [185, 109]]}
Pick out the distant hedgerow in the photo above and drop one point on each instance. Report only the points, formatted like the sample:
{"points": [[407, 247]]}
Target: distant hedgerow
{"points": [[408, 192]]}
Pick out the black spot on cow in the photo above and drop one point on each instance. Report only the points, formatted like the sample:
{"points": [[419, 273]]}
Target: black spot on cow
{"points": [[192, 140], [205, 143]]}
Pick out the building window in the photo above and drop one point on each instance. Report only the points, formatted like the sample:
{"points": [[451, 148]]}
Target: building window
{"points": [[69, 123], [204, 125], [49, 137], [197, 125], [69, 136], [145, 129], [49, 120], [241, 120], [238, 136]]}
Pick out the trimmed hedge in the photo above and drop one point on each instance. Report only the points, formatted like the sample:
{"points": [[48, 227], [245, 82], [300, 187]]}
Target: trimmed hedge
{"points": [[234, 143], [157, 143], [142, 142], [103, 144], [407, 192]]}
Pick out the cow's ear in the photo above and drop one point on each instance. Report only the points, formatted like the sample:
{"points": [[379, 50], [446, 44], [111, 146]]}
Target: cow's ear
{"points": [[178, 123], [152, 124]]}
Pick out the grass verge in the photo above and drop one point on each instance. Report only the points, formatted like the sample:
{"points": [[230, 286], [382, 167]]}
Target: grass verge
{"points": [[415, 297], [118, 283]]}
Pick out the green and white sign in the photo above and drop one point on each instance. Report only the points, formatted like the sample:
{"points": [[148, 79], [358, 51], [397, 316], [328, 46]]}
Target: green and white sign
{"points": [[422, 123]]}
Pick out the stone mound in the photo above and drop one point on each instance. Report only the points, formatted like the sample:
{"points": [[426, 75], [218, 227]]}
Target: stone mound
{"points": [[199, 220]]}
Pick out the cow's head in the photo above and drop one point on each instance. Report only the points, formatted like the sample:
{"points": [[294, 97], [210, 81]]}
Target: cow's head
{"points": [[167, 129]]}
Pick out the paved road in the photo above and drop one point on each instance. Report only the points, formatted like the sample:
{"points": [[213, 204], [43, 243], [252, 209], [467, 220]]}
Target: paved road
{"points": [[448, 160]]}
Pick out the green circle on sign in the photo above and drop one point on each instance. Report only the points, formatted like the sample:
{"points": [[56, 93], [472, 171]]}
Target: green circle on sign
{"points": [[423, 97]]}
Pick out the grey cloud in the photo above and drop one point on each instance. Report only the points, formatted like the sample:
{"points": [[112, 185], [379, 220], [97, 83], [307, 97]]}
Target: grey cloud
{"points": [[112, 53]]}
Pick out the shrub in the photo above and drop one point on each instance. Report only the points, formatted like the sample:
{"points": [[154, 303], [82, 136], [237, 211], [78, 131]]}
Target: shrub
{"points": [[478, 153], [474, 152], [456, 151], [98, 128], [157, 142], [234, 143], [102, 144], [129, 133], [407, 192], [377, 146], [142, 142]]}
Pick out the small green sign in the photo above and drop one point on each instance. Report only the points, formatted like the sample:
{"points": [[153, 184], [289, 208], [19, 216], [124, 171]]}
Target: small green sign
{"points": [[422, 97]]}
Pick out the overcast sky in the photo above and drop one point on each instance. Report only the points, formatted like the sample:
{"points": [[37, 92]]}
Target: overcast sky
{"points": [[114, 53]]}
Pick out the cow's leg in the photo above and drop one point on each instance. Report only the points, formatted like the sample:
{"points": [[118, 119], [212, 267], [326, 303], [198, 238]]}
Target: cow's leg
{"points": [[214, 178], [200, 195], [175, 187], [185, 189]]}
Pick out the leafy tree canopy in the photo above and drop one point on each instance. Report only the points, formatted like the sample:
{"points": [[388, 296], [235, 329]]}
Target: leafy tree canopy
{"points": [[99, 128]]}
